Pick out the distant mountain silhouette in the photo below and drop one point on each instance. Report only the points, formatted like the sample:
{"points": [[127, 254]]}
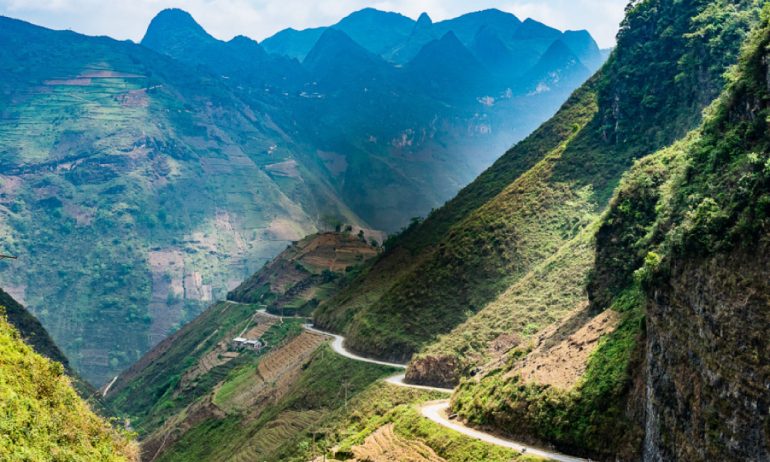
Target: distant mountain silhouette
{"points": [[446, 68]]}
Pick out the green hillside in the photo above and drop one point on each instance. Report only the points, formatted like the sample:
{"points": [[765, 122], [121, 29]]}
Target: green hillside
{"points": [[548, 189], [144, 188], [681, 254], [42, 416]]}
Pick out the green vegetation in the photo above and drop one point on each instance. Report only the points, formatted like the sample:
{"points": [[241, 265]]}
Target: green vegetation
{"points": [[544, 296], [308, 272], [326, 384], [148, 392], [145, 193], [381, 405], [551, 187], [588, 419], [41, 415], [679, 204], [147, 184], [334, 404]]}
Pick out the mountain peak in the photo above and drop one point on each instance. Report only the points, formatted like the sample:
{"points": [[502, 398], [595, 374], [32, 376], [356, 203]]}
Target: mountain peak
{"points": [[333, 47], [173, 23], [175, 18], [531, 29], [424, 20], [247, 47]]}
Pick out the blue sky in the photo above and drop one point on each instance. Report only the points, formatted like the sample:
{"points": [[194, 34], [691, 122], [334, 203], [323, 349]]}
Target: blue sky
{"points": [[127, 19]]}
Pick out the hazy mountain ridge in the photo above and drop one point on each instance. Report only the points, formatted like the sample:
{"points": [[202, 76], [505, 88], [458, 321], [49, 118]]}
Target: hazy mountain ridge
{"points": [[108, 137], [151, 182], [610, 260]]}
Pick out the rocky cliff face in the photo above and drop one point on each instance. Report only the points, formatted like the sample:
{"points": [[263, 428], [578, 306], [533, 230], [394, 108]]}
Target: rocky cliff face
{"points": [[708, 352], [708, 360]]}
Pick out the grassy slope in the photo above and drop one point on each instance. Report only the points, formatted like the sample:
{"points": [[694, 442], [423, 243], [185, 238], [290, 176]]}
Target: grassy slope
{"points": [[41, 415], [657, 212], [146, 391], [35, 335], [314, 418], [545, 191]]}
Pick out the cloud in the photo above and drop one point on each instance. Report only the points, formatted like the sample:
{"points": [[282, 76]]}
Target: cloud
{"points": [[261, 18]]}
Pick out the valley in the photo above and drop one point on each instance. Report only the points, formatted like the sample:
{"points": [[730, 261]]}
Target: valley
{"points": [[152, 178], [233, 232]]}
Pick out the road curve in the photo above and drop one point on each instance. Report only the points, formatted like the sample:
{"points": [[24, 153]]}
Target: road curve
{"points": [[436, 410], [338, 345], [398, 380]]}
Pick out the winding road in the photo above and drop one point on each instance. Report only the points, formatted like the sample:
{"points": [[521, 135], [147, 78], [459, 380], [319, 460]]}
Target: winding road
{"points": [[437, 410]]}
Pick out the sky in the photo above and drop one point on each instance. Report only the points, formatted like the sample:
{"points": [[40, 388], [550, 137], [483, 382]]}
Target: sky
{"points": [[259, 19]]}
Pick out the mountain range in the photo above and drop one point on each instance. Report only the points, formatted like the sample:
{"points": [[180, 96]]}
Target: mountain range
{"points": [[599, 292], [599, 289], [152, 178]]}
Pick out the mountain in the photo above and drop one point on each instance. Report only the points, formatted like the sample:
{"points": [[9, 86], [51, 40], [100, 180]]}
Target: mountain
{"points": [[422, 34], [296, 281], [175, 33], [336, 61], [558, 66], [293, 43], [584, 47], [186, 162], [488, 244], [600, 289], [466, 27], [448, 70], [676, 255], [377, 31], [41, 405], [114, 153], [399, 39]]}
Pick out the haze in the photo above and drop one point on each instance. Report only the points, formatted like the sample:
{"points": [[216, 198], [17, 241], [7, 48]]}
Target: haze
{"points": [[260, 19]]}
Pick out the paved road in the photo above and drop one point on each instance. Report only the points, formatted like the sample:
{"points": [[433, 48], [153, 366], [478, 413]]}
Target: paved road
{"points": [[436, 410], [338, 345], [398, 380]]}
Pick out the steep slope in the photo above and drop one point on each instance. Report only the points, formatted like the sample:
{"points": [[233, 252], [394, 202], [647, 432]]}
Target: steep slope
{"points": [[161, 383], [145, 188], [706, 281], [419, 134], [680, 263], [43, 415], [35, 335], [32, 332], [544, 192]]}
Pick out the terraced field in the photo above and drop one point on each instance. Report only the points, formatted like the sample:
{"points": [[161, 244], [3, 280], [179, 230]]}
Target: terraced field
{"points": [[248, 392], [282, 360], [385, 445], [221, 354], [284, 428]]}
